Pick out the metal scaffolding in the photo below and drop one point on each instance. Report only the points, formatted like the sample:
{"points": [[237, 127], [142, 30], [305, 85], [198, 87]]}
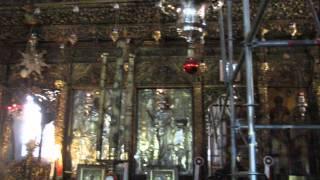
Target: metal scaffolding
{"points": [[246, 58]]}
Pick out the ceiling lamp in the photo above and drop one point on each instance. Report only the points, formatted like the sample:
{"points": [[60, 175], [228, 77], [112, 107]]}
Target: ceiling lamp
{"points": [[191, 20]]}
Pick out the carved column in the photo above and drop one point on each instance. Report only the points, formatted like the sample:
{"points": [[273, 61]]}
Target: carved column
{"points": [[6, 139], [198, 123], [264, 107], [60, 122], [128, 108], [115, 130], [102, 108], [316, 80], [314, 91], [263, 88], [6, 130], [314, 106], [61, 109]]}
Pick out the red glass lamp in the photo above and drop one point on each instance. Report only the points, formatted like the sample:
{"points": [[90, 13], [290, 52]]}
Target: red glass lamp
{"points": [[191, 65]]}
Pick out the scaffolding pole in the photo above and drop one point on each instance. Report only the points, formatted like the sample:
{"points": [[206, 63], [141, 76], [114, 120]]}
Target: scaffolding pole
{"points": [[250, 90], [286, 43], [251, 35], [283, 126], [246, 56]]}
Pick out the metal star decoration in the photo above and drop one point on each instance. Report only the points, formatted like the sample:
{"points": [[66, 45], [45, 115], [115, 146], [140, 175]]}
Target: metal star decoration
{"points": [[32, 61]]}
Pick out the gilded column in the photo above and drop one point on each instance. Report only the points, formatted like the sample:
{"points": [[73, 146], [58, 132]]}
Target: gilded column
{"points": [[315, 166], [264, 108], [61, 110], [6, 139], [117, 115], [263, 89], [128, 110], [6, 130], [199, 147], [198, 122], [317, 87], [102, 99], [316, 81], [60, 122]]}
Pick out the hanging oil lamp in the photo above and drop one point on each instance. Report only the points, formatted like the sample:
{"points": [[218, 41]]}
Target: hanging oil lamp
{"points": [[114, 35], [156, 35], [191, 65]]}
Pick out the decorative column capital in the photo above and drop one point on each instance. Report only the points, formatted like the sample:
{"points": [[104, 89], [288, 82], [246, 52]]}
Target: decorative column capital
{"points": [[105, 54], [59, 84], [131, 56]]}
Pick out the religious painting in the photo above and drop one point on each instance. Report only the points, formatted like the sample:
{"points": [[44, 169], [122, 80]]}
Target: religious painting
{"points": [[84, 73], [84, 137], [89, 73], [288, 67], [164, 134], [90, 172], [163, 174], [161, 71], [288, 106]]}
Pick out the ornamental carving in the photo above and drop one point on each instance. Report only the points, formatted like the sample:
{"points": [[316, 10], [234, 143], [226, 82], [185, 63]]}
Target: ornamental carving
{"points": [[139, 20]]}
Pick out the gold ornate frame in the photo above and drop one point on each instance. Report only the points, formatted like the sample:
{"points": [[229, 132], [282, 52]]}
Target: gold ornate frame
{"points": [[82, 168], [155, 173]]}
